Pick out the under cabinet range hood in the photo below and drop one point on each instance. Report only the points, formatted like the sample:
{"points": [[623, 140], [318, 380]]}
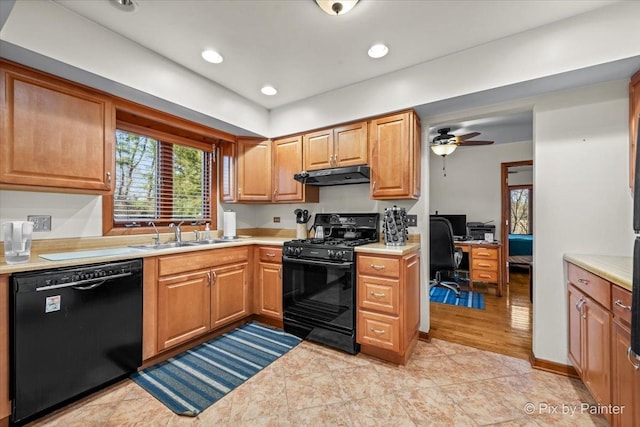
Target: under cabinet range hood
{"points": [[335, 176]]}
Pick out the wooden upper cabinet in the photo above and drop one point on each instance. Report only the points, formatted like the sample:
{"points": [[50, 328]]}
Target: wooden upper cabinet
{"points": [[254, 170], [341, 146], [394, 144], [227, 161], [318, 150], [55, 135], [634, 122], [287, 161]]}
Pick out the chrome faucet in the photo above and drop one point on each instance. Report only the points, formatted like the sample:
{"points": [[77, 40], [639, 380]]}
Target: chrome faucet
{"points": [[157, 238], [176, 231]]}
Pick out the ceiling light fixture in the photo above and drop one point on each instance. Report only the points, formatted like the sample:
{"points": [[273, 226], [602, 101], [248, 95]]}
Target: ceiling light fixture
{"points": [[125, 5], [444, 144], [378, 51], [269, 90], [212, 56], [334, 7]]}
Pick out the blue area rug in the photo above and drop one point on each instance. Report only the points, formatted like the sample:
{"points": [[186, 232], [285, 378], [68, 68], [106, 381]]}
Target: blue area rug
{"points": [[467, 299], [194, 380]]}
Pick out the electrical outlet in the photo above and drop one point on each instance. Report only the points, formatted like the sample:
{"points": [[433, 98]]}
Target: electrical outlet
{"points": [[276, 219], [40, 222], [412, 220]]}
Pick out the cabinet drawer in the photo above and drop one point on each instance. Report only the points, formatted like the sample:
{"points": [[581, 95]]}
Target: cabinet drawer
{"points": [[376, 293], [485, 264], [378, 266], [484, 276], [271, 255], [621, 304], [182, 262], [484, 253], [379, 330], [592, 285]]}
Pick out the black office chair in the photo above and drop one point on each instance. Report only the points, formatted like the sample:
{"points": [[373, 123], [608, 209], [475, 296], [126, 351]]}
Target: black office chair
{"points": [[444, 256]]}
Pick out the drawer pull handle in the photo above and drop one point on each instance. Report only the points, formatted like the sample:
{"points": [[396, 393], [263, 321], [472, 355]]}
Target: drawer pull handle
{"points": [[486, 276], [270, 255], [622, 306], [377, 331], [583, 281], [377, 267], [481, 264], [483, 254], [636, 366], [376, 295]]}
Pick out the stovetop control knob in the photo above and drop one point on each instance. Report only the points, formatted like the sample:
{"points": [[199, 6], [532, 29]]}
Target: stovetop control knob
{"points": [[298, 251]]}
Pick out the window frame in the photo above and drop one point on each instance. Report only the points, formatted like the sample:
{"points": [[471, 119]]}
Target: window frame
{"points": [[528, 187], [171, 129]]}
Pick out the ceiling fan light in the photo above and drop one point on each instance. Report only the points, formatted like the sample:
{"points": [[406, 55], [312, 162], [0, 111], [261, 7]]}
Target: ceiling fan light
{"points": [[336, 7], [443, 149]]}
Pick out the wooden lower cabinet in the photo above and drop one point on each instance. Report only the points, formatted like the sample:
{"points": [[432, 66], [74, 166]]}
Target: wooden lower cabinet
{"points": [[626, 379], [194, 293], [183, 307], [268, 282], [229, 294], [388, 315]]}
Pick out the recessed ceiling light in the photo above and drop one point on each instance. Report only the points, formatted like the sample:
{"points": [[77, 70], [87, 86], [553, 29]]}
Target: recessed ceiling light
{"points": [[212, 56], [378, 50], [125, 5], [269, 90]]}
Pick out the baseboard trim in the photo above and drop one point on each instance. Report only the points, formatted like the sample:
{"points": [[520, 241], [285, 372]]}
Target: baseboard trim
{"points": [[553, 367], [424, 336]]}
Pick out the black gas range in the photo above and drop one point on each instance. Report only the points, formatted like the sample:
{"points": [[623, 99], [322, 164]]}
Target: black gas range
{"points": [[319, 279]]}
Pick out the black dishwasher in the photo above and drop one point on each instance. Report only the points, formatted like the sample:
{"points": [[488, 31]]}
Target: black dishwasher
{"points": [[73, 329]]}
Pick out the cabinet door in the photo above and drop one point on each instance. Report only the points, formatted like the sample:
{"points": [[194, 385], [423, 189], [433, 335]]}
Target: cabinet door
{"points": [[318, 150], [230, 294], [596, 356], [227, 159], [350, 146], [390, 157], [270, 290], [287, 161], [576, 299], [55, 136], [625, 379], [254, 171], [183, 307]]}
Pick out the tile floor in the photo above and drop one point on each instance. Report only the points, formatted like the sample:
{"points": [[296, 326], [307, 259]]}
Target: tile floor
{"points": [[444, 384]]}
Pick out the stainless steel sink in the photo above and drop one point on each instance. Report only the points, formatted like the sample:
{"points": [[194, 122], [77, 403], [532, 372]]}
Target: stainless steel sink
{"points": [[168, 245], [204, 242]]}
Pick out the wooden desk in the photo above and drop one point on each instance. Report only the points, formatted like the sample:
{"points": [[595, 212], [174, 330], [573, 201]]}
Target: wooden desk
{"points": [[484, 262]]}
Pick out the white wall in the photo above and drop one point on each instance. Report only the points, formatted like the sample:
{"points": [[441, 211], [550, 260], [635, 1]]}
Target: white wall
{"points": [[582, 202], [72, 215], [472, 183]]}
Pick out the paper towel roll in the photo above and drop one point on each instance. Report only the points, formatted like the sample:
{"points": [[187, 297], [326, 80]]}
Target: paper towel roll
{"points": [[229, 226]]}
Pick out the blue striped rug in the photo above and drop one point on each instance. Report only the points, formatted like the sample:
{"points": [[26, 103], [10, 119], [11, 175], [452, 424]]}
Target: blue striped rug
{"points": [[194, 380], [467, 299]]}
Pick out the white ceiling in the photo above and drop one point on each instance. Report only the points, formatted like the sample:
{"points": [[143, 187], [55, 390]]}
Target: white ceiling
{"points": [[302, 51]]}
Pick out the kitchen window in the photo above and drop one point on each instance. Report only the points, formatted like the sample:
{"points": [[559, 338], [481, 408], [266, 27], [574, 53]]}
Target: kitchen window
{"points": [[160, 181], [164, 173]]}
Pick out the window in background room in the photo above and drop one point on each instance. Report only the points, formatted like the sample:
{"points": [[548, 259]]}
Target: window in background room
{"points": [[520, 210], [160, 181]]}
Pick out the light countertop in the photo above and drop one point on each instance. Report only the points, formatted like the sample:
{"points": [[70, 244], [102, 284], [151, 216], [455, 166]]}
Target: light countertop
{"points": [[616, 269], [37, 263]]}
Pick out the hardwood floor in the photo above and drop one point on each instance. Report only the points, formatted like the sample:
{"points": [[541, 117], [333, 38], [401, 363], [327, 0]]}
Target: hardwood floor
{"points": [[504, 326]]}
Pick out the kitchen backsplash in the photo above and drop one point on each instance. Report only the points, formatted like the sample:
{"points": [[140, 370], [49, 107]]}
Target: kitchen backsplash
{"points": [[76, 215]]}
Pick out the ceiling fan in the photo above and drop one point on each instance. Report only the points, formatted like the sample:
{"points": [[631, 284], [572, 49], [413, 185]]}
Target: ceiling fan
{"points": [[445, 143]]}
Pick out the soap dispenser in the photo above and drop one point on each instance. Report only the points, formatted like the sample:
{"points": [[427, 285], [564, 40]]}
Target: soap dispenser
{"points": [[207, 232]]}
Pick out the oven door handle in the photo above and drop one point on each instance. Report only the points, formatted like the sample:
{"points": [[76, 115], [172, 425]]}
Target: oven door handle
{"points": [[320, 263]]}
